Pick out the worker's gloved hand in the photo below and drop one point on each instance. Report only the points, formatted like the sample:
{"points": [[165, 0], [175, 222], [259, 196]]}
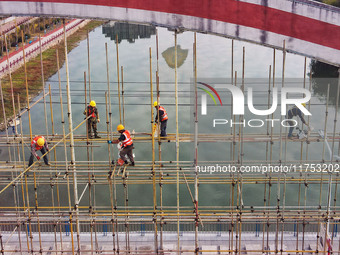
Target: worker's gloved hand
{"points": [[38, 158], [109, 141]]}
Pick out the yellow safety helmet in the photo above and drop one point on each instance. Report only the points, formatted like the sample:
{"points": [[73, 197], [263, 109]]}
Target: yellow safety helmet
{"points": [[41, 141], [303, 104], [155, 103], [93, 103], [120, 127]]}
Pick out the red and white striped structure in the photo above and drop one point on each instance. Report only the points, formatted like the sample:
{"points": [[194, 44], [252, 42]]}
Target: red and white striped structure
{"points": [[308, 27]]}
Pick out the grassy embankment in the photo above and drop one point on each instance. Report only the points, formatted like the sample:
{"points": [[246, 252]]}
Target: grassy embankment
{"points": [[34, 72]]}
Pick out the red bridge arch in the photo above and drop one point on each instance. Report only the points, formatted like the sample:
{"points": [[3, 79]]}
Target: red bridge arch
{"points": [[308, 27]]}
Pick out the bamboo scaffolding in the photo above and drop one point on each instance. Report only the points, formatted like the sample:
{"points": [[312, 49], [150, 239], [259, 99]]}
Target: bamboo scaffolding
{"points": [[153, 173], [177, 146], [196, 143], [73, 166], [117, 57], [23, 159], [10, 77], [232, 223], [43, 83], [159, 149]]}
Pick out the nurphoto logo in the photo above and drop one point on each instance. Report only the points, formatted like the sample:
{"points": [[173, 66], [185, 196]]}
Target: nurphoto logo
{"points": [[238, 103]]}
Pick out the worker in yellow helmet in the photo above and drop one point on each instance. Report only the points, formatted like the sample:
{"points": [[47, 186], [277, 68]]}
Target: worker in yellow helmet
{"points": [[92, 111], [163, 117], [127, 146], [39, 143], [295, 111]]}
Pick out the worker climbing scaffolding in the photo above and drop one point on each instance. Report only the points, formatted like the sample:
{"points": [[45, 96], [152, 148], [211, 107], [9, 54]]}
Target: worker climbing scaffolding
{"points": [[162, 116], [126, 146], [92, 111]]}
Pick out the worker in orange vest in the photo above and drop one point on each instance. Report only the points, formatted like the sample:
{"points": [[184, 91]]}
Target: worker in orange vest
{"points": [[127, 145], [92, 111], [39, 143], [163, 117]]}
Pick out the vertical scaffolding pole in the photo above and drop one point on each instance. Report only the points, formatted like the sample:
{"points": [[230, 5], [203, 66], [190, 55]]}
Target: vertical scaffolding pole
{"points": [[70, 124], [27, 94], [5, 121], [24, 163], [267, 157], [88, 164], [196, 145], [31, 138], [240, 176], [269, 100], [336, 115], [117, 51], [64, 132], [280, 158], [333, 144], [65, 150], [56, 173], [177, 145], [285, 159], [123, 102], [108, 89], [43, 84], [111, 173], [153, 158], [159, 152], [232, 83], [10, 78], [88, 62]]}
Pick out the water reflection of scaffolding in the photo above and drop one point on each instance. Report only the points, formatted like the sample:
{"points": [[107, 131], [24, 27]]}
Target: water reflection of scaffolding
{"points": [[69, 222]]}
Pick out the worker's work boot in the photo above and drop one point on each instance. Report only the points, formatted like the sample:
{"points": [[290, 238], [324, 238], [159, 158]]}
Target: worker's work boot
{"points": [[96, 136], [132, 164]]}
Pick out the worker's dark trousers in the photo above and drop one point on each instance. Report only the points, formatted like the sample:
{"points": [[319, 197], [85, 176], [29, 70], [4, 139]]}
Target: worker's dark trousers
{"points": [[127, 151], [43, 151], [92, 124], [291, 124], [163, 127]]}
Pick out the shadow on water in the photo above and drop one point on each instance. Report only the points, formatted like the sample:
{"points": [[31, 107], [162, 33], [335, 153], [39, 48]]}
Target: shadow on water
{"points": [[324, 74]]}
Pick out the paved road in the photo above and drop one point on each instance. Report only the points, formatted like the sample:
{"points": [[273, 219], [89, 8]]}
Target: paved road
{"points": [[33, 49], [8, 26]]}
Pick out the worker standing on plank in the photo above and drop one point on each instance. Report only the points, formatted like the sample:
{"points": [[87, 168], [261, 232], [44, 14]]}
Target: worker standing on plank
{"points": [[92, 111], [127, 145], [163, 117], [295, 111], [39, 143]]}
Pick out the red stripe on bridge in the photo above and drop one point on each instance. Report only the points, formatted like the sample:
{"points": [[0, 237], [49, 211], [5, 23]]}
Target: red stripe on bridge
{"points": [[235, 12]]}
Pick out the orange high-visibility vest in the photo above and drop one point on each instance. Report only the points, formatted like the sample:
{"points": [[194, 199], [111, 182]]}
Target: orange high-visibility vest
{"points": [[165, 115], [91, 113], [128, 140], [35, 142]]}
